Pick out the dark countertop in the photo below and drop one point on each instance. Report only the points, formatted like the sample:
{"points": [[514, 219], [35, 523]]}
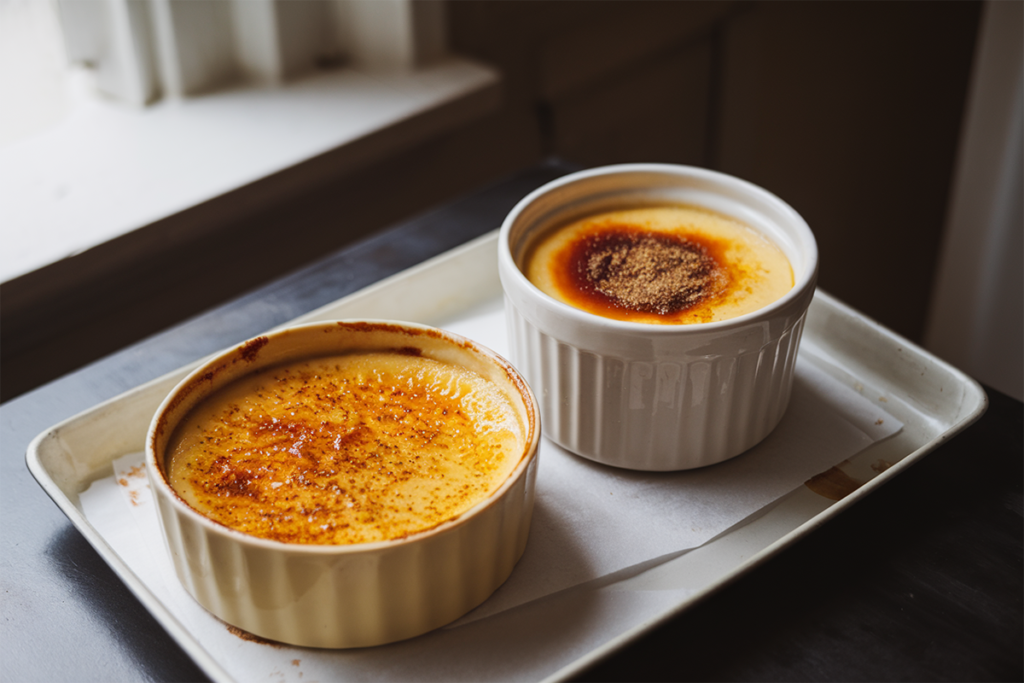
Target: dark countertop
{"points": [[922, 580]]}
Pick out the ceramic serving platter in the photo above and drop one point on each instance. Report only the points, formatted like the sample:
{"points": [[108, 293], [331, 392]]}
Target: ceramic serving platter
{"points": [[559, 613]]}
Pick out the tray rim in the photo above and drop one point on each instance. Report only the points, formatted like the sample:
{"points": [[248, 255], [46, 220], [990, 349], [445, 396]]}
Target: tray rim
{"points": [[135, 584], [980, 405], [973, 405], [76, 516]]}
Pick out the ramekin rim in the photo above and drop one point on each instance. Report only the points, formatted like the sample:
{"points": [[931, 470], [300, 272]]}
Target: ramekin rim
{"points": [[530, 451], [807, 280]]}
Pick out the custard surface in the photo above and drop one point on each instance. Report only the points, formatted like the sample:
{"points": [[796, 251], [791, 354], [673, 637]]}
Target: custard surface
{"points": [[346, 449], [662, 265]]}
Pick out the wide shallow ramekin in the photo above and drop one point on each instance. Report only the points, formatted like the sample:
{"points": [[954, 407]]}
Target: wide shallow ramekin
{"points": [[655, 397], [342, 596]]}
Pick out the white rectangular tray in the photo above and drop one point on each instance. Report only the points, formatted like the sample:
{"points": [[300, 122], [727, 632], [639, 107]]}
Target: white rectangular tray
{"points": [[932, 400]]}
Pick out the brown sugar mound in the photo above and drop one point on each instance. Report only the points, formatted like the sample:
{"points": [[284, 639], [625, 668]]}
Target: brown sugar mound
{"points": [[652, 273]]}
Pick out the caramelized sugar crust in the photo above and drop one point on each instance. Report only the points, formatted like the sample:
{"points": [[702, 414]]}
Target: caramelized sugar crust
{"points": [[661, 265], [346, 449]]}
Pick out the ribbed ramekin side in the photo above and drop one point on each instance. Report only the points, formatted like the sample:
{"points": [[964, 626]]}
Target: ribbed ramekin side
{"points": [[580, 378], [743, 399], [455, 571], [239, 584], [171, 527], [201, 562], [789, 347], [551, 369], [227, 589], [579, 392], [655, 416], [361, 599]]}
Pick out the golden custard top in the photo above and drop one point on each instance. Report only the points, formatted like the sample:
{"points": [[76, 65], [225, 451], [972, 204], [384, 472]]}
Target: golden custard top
{"points": [[346, 449], [662, 265]]}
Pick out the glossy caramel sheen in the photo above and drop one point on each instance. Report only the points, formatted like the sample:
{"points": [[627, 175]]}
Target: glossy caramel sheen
{"points": [[743, 271], [346, 449]]}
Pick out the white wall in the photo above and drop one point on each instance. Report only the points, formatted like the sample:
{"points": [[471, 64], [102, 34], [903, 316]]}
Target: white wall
{"points": [[977, 312]]}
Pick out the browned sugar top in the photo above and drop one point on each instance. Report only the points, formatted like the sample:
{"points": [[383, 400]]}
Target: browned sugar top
{"points": [[655, 273], [663, 265], [346, 449]]}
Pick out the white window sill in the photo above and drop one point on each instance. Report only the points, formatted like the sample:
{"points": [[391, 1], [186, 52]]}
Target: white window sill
{"points": [[106, 169]]}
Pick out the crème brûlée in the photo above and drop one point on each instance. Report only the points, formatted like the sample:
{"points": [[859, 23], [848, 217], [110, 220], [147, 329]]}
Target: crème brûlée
{"points": [[353, 448], [662, 265]]}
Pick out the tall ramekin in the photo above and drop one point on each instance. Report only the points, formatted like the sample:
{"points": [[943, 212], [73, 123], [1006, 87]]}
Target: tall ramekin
{"points": [[655, 397], [346, 595]]}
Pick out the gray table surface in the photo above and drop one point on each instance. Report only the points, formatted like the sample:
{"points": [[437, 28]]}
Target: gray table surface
{"points": [[921, 581]]}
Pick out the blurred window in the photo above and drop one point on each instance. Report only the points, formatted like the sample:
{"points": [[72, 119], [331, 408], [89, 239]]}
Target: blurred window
{"points": [[119, 113], [33, 69]]}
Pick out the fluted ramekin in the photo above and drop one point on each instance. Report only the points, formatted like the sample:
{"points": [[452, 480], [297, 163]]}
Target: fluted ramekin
{"points": [[655, 397], [339, 596]]}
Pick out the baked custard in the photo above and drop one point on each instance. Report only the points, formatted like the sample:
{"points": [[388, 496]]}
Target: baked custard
{"points": [[354, 448], [663, 265]]}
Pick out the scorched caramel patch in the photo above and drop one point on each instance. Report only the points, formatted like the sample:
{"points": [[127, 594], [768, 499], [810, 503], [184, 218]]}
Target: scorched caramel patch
{"points": [[662, 265]]}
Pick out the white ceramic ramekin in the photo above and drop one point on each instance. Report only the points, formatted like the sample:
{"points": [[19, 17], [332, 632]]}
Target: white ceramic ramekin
{"points": [[655, 397], [349, 595]]}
